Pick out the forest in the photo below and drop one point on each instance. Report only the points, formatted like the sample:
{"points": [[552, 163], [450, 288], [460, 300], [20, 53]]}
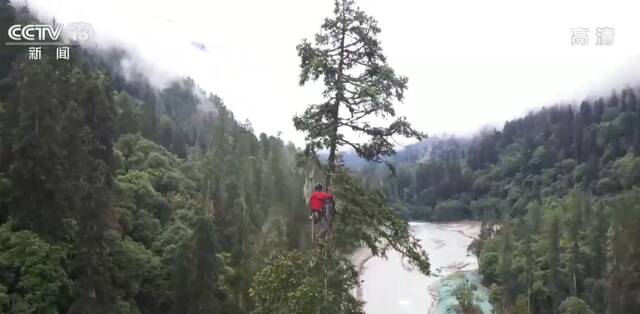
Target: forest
{"points": [[558, 194], [117, 196]]}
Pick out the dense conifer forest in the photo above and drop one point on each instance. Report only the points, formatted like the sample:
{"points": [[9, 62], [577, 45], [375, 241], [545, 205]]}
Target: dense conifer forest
{"points": [[558, 194], [117, 196]]}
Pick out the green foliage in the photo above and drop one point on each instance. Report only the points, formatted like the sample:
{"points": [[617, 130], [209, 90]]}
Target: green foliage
{"points": [[33, 272], [539, 158], [627, 170], [450, 210], [565, 179], [37, 173], [121, 198], [364, 218], [465, 296], [573, 305], [512, 160], [358, 83], [117, 197], [295, 283], [521, 306], [577, 247], [489, 261], [136, 272]]}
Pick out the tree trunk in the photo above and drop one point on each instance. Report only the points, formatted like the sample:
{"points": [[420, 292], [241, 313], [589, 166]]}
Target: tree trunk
{"points": [[331, 162]]}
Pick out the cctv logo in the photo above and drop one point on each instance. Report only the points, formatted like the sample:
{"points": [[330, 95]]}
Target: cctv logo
{"points": [[74, 33], [37, 32]]}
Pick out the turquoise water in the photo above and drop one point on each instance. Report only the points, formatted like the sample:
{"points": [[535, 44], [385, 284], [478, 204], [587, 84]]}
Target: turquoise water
{"points": [[446, 302]]}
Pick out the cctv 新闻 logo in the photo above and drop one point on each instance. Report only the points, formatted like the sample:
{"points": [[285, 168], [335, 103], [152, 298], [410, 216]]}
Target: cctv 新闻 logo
{"points": [[36, 32], [41, 33]]}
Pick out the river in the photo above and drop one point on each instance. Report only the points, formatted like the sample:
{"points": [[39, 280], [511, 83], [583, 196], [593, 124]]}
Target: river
{"points": [[390, 287]]}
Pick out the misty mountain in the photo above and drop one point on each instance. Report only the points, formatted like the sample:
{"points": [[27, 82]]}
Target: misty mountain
{"points": [[438, 146], [119, 194]]}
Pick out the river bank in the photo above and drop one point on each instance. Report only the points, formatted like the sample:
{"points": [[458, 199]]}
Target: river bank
{"points": [[387, 286]]}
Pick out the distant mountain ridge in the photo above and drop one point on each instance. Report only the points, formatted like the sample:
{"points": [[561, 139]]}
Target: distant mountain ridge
{"points": [[438, 146]]}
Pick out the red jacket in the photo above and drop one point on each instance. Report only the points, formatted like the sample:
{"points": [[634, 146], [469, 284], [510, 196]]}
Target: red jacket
{"points": [[317, 200]]}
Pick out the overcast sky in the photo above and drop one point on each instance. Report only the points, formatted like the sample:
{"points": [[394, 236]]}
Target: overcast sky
{"points": [[470, 63]]}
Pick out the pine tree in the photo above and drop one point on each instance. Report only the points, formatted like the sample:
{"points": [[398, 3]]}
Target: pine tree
{"points": [[37, 199], [530, 262], [204, 289], [554, 262], [617, 254], [575, 204], [597, 244], [623, 254], [94, 213], [358, 84], [505, 268]]}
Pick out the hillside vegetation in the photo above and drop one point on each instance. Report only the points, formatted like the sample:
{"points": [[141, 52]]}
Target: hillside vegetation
{"points": [[558, 192]]}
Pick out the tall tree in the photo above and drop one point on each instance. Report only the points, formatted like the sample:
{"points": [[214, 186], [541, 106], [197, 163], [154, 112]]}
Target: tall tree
{"points": [[574, 206], [554, 262], [506, 272], [205, 293], [358, 84], [93, 174], [37, 199]]}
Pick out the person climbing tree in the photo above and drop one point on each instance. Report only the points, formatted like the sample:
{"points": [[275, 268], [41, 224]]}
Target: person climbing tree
{"points": [[360, 86], [320, 204], [357, 112]]}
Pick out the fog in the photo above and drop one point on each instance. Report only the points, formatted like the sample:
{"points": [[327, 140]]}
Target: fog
{"points": [[470, 64]]}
